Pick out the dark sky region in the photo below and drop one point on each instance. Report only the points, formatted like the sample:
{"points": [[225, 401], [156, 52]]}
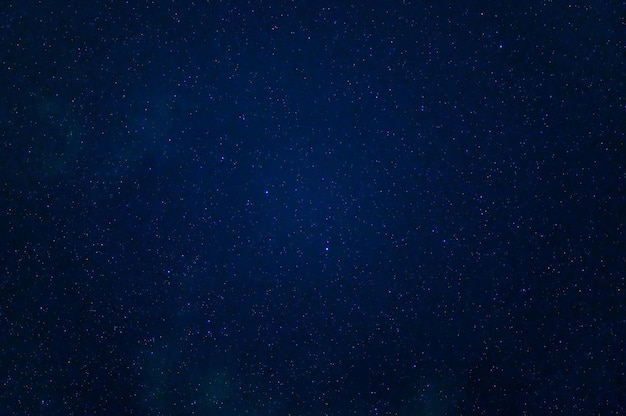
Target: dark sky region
{"points": [[312, 208]]}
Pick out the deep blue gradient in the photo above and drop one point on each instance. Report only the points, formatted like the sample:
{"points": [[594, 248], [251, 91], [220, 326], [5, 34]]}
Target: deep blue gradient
{"points": [[302, 208]]}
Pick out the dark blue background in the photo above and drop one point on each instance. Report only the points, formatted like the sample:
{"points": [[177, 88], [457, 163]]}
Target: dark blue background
{"points": [[307, 208]]}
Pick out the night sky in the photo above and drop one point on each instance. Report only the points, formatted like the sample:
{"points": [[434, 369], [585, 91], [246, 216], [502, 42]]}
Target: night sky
{"points": [[305, 208]]}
